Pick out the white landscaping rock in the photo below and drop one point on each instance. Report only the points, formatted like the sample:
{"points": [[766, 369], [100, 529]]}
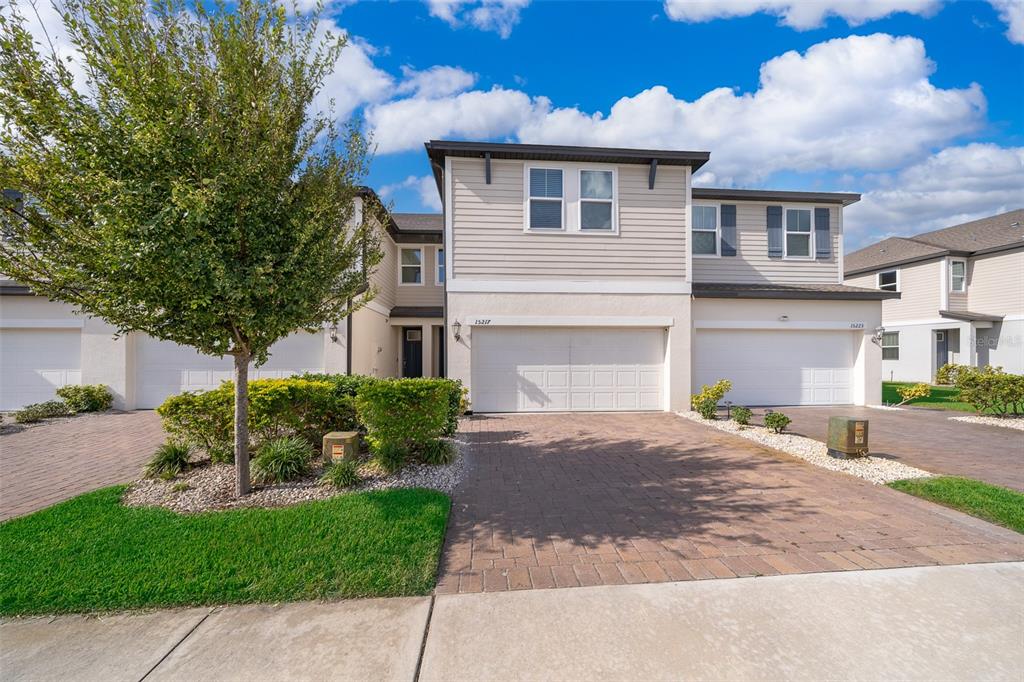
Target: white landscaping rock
{"points": [[1005, 422], [874, 469]]}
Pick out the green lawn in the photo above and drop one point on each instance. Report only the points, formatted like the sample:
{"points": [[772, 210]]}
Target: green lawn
{"points": [[989, 502], [90, 553], [941, 398]]}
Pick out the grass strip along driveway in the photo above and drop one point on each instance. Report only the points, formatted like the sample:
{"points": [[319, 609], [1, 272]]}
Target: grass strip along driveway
{"points": [[91, 553], [989, 502], [940, 398]]}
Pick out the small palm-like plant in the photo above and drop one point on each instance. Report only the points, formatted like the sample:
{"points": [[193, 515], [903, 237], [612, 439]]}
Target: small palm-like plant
{"points": [[169, 460], [283, 459], [438, 452]]}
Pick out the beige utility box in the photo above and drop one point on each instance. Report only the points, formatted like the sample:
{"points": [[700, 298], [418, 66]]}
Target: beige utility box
{"points": [[341, 445], [847, 437]]}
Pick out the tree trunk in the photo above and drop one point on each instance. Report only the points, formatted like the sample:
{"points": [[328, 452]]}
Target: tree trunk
{"points": [[242, 484]]}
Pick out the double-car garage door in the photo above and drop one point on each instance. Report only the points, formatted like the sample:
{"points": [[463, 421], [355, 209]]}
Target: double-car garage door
{"points": [[538, 369]]}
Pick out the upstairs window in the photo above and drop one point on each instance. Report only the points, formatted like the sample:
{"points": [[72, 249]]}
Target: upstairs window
{"points": [[411, 266], [958, 276], [440, 266], [545, 199], [889, 281], [890, 345], [705, 230], [798, 233], [596, 211]]}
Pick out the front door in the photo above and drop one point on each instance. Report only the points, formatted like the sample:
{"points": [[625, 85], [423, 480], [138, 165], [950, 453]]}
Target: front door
{"points": [[412, 351], [941, 348]]}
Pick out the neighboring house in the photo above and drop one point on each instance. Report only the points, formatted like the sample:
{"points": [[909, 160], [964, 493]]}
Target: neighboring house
{"points": [[599, 279], [45, 345], [962, 296]]}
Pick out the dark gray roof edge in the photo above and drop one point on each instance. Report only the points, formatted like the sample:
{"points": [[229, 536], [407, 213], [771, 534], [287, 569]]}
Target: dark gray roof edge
{"points": [[417, 237], [552, 152], [843, 198], [14, 289], [934, 256], [968, 316], [417, 311], [725, 291]]}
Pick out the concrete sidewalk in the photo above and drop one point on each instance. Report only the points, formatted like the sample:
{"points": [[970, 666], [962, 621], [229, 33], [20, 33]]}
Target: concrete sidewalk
{"points": [[950, 622]]}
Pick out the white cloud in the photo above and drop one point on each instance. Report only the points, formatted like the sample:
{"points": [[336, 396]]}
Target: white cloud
{"points": [[355, 80], [406, 124], [437, 81], [46, 27], [499, 16], [424, 186], [953, 186], [798, 14], [1011, 12]]}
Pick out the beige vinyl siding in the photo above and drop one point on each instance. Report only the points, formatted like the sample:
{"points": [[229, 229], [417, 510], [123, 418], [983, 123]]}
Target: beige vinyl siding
{"points": [[428, 294], [995, 283], [383, 278], [490, 241], [957, 301], [751, 264], [919, 288]]}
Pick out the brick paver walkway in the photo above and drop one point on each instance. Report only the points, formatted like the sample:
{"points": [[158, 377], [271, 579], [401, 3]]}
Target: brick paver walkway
{"points": [[929, 440], [589, 499], [52, 462]]}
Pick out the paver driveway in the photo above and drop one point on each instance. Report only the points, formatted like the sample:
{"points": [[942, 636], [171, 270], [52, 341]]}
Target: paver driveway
{"points": [[586, 499], [929, 440], [52, 462]]}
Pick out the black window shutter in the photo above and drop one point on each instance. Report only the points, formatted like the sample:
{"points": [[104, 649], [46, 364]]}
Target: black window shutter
{"points": [[775, 232], [728, 213], [822, 234]]}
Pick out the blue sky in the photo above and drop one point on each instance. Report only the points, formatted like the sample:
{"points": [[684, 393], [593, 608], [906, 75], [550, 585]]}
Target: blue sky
{"points": [[920, 109]]}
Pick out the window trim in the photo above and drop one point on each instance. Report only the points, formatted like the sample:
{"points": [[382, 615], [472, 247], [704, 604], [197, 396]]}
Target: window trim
{"points": [[422, 267], [439, 266], [527, 198], [878, 280], [963, 290], [717, 205], [785, 233], [885, 347], [614, 201]]}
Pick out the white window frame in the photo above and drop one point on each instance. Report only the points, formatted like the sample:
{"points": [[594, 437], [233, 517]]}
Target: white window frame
{"points": [[439, 266], [401, 266], [614, 201], [952, 287], [527, 198], [718, 229], [786, 233], [884, 347], [878, 280]]}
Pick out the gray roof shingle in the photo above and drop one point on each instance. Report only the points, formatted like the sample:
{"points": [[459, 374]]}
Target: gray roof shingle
{"points": [[419, 222]]}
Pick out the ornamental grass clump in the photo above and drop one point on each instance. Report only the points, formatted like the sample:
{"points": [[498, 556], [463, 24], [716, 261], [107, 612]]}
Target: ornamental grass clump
{"points": [[342, 474], [282, 460], [169, 460]]}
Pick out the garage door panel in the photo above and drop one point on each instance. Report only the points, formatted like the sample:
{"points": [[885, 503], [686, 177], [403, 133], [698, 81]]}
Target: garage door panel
{"points": [[34, 363], [799, 367], [585, 369]]}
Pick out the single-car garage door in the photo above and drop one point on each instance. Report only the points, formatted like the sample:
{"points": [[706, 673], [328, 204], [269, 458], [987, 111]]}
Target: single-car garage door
{"points": [[164, 368], [536, 369], [799, 367], [34, 363]]}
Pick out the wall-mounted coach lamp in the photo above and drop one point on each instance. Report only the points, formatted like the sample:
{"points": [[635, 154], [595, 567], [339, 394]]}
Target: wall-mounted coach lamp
{"points": [[457, 329]]}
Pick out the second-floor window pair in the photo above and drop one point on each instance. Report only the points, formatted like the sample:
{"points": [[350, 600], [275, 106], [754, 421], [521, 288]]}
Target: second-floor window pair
{"points": [[547, 199]]}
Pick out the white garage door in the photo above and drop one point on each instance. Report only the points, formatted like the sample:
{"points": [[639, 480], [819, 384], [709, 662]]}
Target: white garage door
{"points": [[164, 368], [777, 367], [34, 363], [528, 369]]}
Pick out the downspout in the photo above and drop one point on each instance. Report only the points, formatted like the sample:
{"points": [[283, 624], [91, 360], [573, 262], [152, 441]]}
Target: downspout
{"points": [[348, 340]]}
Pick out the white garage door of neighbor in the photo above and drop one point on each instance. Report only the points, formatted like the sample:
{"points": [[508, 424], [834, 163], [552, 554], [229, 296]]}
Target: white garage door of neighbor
{"points": [[34, 363], [164, 368], [537, 369], [777, 367]]}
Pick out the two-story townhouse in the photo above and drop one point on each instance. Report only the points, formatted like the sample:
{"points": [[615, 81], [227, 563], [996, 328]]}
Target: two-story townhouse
{"points": [[584, 278], [45, 344], [962, 296]]}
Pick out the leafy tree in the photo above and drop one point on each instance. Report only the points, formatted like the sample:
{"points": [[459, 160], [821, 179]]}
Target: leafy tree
{"points": [[188, 189]]}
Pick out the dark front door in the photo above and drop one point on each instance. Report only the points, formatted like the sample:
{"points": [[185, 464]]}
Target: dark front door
{"points": [[941, 348], [440, 353], [412, 351]]}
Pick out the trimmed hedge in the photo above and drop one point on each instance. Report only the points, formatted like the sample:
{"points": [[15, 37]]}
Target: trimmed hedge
{"points": [[405, 414]]}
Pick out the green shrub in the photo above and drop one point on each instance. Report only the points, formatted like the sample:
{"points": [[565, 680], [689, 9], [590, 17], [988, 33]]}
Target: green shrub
{"points": [[391, 457], [438, 453], [948, 373], [342, 474], [39, 411], [169, 460], [990, 389], [405, 413], [706, 402], [741, 415], [776, 421], [281, 460], [458, 404], [87, 398], [913, 392]]}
